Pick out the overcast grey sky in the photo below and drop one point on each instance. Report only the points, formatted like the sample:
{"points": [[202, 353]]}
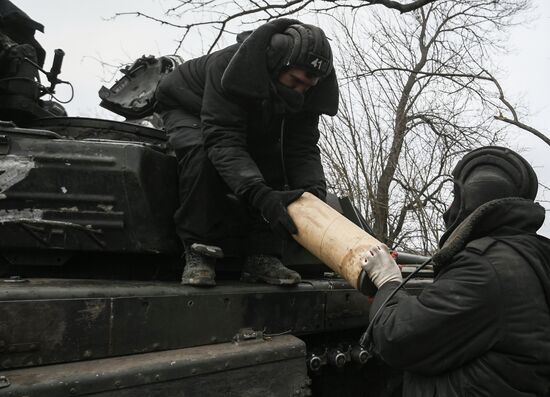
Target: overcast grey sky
{"points": [[82, 29]]}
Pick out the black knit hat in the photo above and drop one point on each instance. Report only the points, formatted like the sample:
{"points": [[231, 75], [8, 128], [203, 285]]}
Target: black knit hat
{"points": [[300, 45], [487, 174]]}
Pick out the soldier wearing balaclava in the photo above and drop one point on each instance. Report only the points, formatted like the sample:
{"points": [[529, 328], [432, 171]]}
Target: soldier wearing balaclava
{"points": [[243, 122], [482, 327]]}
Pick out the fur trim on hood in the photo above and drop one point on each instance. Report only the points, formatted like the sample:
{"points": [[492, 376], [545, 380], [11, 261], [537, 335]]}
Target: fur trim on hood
{"points": [[511, 215]]}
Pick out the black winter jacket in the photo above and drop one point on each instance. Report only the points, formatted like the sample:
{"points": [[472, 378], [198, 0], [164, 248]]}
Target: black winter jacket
{"points": [[483, 327], [242, 117]]}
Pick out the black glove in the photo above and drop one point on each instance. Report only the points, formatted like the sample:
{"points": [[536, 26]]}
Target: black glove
{"points": [[272, 205]]}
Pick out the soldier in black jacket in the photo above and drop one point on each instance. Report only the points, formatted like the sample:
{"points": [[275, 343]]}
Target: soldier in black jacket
{"points": [[483, 327], [243, 122], [17, 42]]}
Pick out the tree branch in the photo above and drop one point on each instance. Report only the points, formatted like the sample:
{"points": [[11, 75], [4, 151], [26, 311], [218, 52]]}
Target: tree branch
{"points": [[402, 8], [483, 75], [525, 127], [515, 120], [210, 14]]}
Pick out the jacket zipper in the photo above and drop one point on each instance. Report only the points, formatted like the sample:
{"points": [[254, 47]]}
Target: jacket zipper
{"points": [[286, 186]]}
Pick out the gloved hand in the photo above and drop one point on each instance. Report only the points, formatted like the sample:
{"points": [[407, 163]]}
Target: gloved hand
{"points": [[272, 205], [381, 267]]}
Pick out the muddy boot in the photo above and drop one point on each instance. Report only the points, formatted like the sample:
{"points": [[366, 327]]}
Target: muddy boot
{"points": [[268, 269], [199, 270], [213, 251]]}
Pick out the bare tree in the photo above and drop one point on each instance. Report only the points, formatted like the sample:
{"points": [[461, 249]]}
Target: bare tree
{"points": [[416, 94], [221, 15], [414, 97]]}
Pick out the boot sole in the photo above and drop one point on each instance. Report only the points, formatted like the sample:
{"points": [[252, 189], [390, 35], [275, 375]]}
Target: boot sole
{"points": [[249, 278], [198, 282]]}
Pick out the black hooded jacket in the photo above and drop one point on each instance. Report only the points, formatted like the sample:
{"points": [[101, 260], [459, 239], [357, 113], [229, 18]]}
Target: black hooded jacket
{"points": [[242, 116], [483, 327], [16, 27]]}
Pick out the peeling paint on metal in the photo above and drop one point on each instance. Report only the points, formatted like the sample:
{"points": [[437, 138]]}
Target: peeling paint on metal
{"points": [[63, 189], [55, 325], [13, 169], [49, 222], [69, 209], [111, 324], [106, 208], [92, 311], [24, 213]]}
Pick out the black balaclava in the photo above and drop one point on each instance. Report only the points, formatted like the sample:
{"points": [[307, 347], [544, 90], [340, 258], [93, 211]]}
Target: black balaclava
{"points": [[303, 46], [487, 174]]}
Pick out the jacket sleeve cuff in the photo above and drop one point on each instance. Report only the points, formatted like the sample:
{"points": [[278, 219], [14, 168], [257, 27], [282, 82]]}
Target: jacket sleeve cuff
{"points": [[256, 193], [383, 292]]}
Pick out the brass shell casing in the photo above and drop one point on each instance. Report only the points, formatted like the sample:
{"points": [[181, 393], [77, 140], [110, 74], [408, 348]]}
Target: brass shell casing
{"points": [[331, 237]]}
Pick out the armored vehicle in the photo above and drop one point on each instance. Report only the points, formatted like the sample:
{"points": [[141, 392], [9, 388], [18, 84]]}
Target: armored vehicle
{"points": [[90, 299]]}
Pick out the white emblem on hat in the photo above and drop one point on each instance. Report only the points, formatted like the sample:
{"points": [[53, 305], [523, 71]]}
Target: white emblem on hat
{"points": [[316, 63]]}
